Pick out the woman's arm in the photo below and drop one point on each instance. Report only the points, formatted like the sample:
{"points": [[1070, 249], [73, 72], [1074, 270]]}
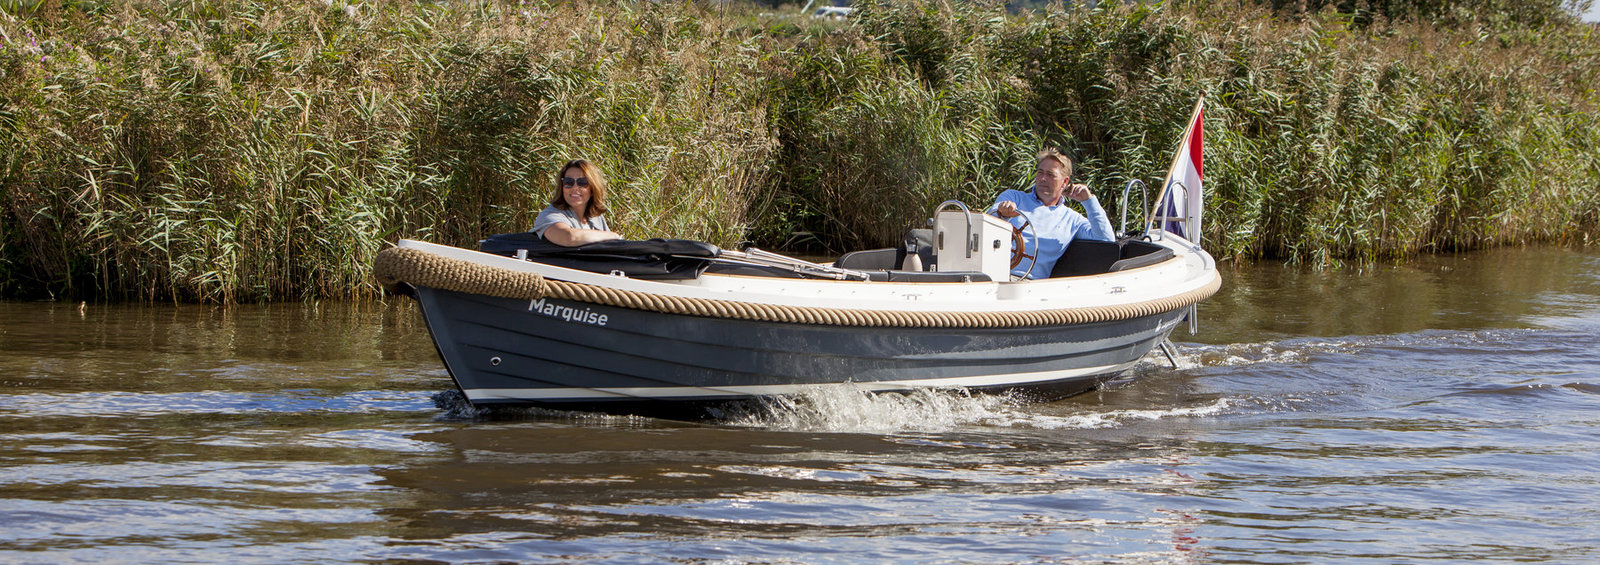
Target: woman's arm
{"points": [[562, 234]]}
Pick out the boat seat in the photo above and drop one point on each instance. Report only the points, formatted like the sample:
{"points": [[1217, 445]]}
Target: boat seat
{"points": [[1138, 253], [891, 275], [891, 258], [869, 260], [1085, 257]]}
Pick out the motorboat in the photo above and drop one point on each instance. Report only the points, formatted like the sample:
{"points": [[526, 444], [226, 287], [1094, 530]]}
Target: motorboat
{"points": [[676, 327]]}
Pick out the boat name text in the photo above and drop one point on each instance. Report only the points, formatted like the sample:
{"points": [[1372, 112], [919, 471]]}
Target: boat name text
{"points": [[567, 313]]}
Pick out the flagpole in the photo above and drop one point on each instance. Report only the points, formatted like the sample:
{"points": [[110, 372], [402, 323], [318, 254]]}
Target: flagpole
{"points": [[1187, 128], [1166, 185]]}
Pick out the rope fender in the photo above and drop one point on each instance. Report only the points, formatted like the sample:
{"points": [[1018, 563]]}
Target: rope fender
{"points": [[420, 268]]}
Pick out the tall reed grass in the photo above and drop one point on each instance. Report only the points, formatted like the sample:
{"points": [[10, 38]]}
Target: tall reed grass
{"points": [[223, 150], [1327, 139], [232, 149]]}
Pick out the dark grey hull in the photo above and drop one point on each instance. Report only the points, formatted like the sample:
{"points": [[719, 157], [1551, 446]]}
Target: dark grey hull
{"points": [[572, 355]]}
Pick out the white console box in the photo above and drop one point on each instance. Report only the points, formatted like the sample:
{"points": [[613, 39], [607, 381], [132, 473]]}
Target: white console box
{"points": [[986, 247]]}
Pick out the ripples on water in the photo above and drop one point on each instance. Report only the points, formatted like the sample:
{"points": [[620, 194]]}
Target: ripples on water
{"points": [[1443, 411]]}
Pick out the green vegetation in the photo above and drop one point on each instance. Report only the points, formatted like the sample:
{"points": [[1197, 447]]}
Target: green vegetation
{"points": [[227, 150]]}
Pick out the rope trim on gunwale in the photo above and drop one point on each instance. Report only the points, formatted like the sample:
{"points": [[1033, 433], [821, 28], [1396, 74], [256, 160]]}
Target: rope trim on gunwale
{"points": [[421, 268]]}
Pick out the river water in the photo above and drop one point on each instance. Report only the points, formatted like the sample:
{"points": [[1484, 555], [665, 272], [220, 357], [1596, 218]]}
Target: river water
{"points": [[1441, 411]]}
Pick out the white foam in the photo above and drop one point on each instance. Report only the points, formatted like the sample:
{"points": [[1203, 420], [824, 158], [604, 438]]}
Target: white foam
{"points": [[846, 408], [1118, 418], [851, 408]]}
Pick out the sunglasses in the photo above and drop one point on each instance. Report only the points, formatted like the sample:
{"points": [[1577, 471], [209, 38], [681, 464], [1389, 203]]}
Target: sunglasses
{"points": [[567, 182]]}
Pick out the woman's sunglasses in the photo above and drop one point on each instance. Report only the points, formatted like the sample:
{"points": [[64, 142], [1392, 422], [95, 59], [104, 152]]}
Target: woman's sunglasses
{"points": [[567, 182]]}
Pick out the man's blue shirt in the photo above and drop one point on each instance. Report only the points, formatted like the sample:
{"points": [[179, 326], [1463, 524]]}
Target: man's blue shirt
{"points": [[1056, 226]]}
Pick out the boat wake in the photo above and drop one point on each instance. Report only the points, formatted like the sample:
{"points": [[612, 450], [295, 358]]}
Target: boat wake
{"points": [[1102, 419], [849, 408], [455, 407], [852, 408]]}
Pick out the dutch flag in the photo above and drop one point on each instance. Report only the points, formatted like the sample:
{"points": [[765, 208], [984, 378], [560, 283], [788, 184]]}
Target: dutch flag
{"points": [[1182, 206]]}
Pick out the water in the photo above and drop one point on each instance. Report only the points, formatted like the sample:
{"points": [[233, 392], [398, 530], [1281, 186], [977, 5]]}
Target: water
{"points": [[1442, 411]]}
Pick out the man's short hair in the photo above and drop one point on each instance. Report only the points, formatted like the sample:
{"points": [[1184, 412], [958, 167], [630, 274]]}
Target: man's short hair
{"points": [[1053, 153]]}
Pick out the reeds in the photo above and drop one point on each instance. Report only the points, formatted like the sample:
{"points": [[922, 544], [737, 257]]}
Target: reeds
{"points": [[1327, 139], [238, 150], [229, 150]]}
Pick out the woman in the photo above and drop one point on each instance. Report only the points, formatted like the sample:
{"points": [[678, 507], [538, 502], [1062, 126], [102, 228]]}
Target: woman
{"points": [[576, 214]]}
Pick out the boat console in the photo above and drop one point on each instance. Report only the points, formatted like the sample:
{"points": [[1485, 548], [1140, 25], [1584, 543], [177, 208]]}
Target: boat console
{"points": [[968, 246]]}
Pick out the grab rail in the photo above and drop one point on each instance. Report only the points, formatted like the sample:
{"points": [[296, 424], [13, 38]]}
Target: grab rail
{"points": [[967, 214], [1144, 200]]}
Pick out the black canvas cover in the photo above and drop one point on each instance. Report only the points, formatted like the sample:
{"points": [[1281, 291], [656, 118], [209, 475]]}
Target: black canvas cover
{"points": [[654, 259]]}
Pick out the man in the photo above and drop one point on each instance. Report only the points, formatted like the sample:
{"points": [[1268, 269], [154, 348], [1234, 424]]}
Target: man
{"points": [[1054, 222]]}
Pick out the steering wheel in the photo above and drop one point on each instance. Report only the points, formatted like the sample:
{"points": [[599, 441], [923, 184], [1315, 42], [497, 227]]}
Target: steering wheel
{"points": [[1018, 250]]}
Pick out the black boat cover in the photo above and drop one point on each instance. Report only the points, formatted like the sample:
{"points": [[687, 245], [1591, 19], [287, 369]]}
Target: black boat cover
{"points": [[653, 259]]}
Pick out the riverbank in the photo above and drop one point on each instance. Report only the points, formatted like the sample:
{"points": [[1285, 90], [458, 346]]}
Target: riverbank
{"points": [[233, 150]]}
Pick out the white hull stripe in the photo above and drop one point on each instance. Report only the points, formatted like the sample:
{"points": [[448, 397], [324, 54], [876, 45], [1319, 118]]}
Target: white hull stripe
{"points": [[669, 392]]}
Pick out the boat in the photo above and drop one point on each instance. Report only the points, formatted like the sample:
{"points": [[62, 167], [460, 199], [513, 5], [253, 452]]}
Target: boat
{"points": [[678, 328]]}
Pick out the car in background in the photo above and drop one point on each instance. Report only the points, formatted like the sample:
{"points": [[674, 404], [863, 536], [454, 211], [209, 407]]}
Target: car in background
{"points": [[832, 12]]}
